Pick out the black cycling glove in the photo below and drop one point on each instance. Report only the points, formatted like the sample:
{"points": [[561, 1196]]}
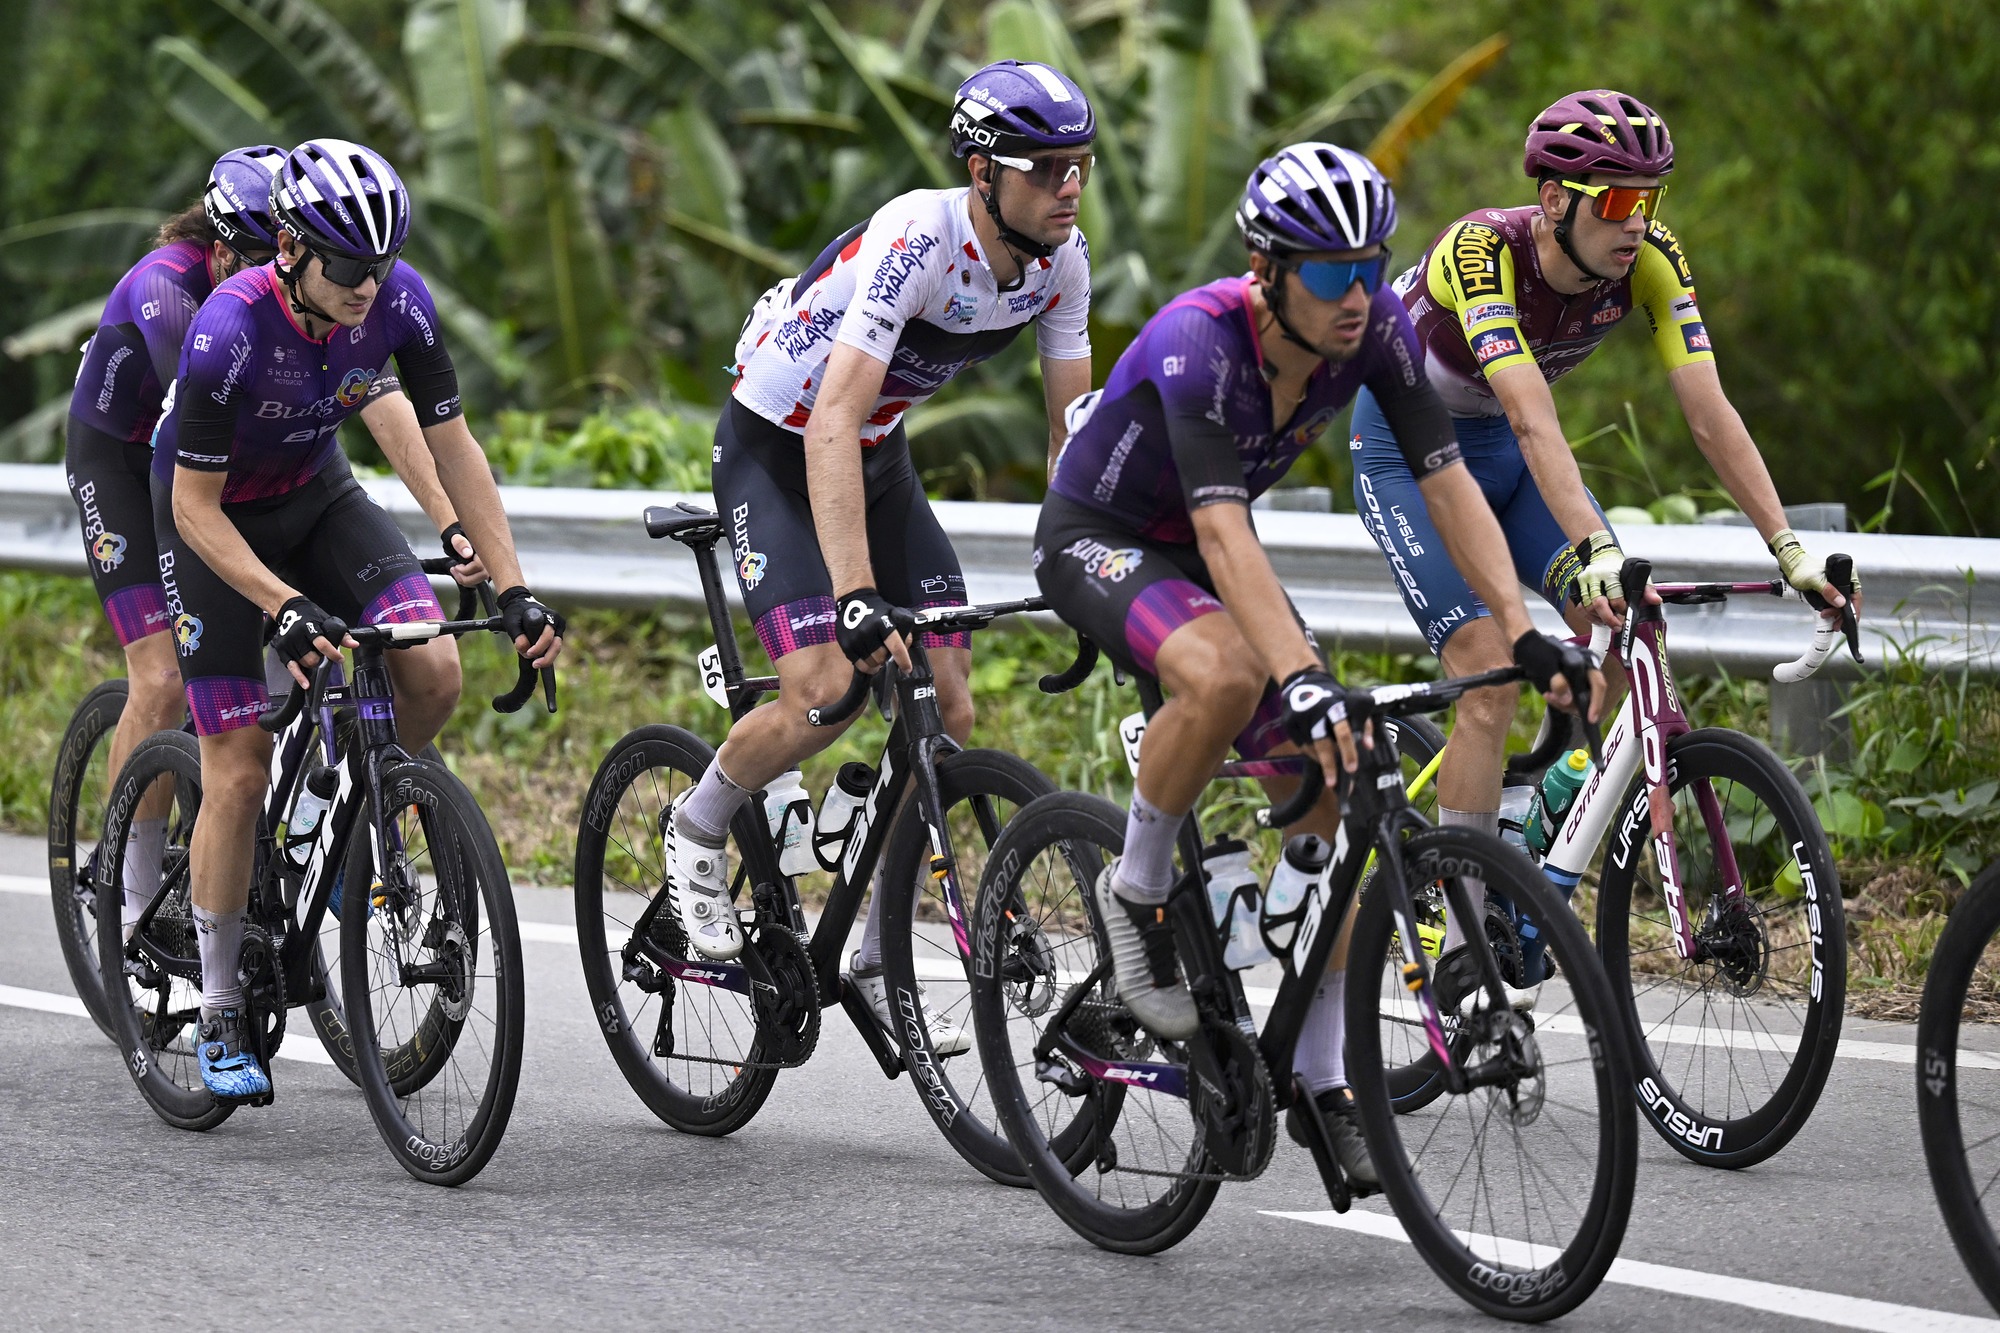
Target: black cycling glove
{"points": [[1314, 703], [299, 622], [1544, 658], [457, 530], [864, 623], [523, 617]]}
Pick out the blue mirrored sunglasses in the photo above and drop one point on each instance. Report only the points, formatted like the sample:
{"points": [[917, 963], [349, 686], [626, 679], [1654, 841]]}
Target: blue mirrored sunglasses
{"points": [[1330, 279]]}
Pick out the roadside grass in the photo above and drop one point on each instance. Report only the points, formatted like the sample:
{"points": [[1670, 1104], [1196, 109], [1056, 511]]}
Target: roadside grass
{"points": [[1911, 817]]}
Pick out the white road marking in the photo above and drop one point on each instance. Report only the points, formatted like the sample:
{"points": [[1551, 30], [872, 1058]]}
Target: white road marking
{"points": [[302, 1046], [1767, 1297], [24, 884]]}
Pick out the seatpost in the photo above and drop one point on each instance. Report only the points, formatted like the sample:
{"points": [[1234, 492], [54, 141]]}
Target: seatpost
{"points": [[717, 601]]}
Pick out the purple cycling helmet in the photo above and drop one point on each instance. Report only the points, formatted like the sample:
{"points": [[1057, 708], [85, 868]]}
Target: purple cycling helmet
{"points": [[1316, 196], [341, 198], [1018, 106], [1599, 130], [238, 199]]}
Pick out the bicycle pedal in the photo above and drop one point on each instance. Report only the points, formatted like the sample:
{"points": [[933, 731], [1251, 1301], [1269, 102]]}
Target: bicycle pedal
{"points": [[1309, 1127], [1062, 1077]]}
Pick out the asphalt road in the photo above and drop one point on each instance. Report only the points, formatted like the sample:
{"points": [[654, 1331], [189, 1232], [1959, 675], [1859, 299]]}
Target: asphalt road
{"points": [[838, 1207]]}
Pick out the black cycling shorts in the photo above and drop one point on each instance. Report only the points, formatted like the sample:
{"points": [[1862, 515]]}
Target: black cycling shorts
{"points": [[328, 540], [760, 492], [111, 481], [1128, 593]]}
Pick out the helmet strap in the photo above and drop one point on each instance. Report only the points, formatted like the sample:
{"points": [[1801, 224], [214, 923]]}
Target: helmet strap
{"points": [[1562, 231], [290, 276], [1024, 247], [1274, 301]]}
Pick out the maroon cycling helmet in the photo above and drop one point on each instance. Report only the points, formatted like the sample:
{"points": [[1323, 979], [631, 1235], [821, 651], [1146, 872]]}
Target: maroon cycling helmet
{"points": [[1599, 130]]}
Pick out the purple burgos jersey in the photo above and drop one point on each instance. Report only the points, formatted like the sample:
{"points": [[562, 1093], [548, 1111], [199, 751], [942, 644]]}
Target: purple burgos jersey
{"points": [[1185, 419], [131, 359], [258, 399]]}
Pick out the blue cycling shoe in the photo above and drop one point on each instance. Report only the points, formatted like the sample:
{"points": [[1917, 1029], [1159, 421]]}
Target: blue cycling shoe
{"points": [[227, 1069]]}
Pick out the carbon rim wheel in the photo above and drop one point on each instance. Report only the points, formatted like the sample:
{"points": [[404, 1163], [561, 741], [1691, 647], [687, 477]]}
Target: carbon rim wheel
{"points": [[687, 1047], [432, 980], [1732, 1048], [1123, 1165], [78, 801], [154, 1028], [980, 791], [1517, 1190], [1958, 1078]]}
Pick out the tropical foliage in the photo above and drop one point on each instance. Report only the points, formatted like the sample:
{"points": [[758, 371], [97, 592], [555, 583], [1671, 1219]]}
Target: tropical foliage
{"points": [[606, 185]]}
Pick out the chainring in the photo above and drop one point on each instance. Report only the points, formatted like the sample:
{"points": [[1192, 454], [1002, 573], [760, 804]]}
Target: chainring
{"points": [[788, 1012], [1239, 1119], [263, 984]]}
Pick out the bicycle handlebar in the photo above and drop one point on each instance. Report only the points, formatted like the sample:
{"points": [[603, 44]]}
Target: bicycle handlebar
{"points": [[943, 620], [1060, 682], [470, 599]]}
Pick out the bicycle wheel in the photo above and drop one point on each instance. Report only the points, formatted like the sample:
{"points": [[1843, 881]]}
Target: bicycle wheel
{"points": [[1958, 1078], [980, 791], [1516, 1190], [1733, 1046], [1119, 1158], [431, 978], [154, 1027], [688, 1045], [76, 826]]}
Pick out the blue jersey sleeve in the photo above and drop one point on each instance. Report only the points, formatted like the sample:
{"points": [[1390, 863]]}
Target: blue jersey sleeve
{"points": [[425, 367], [163, 310], [1195, 374], [215, 368]]}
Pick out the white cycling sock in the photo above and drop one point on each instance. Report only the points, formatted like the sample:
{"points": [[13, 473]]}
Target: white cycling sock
{"points": [[1146, 871], [220, 937], [870, 953], [1321, 1058], [144, 847], [1486, 821], [707, 810]]}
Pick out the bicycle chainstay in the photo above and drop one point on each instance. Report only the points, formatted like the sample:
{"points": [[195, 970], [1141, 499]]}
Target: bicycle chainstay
{"points": [[786, 998]]}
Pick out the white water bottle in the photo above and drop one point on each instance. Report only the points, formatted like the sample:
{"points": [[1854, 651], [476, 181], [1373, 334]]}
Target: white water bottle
{"points": [[1233, 894], [790, 811], [315, 796], [1301, 867], [836, 813], [1516, 805]]}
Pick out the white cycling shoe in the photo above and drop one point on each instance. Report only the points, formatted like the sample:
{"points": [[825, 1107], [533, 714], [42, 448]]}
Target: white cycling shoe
{"points": [[1143, 961], [947, 1037], [698, 894]]}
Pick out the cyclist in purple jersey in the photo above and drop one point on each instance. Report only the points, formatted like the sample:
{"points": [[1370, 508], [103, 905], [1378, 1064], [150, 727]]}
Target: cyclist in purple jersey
{"points": [[258, 516], [1145, 545], [120, 387]]}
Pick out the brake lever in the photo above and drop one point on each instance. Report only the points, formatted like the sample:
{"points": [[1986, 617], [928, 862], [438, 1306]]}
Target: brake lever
{"points": [[1579, 689], [1840, 573]]}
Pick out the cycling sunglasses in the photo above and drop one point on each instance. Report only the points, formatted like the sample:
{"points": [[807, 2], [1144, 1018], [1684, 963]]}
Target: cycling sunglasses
{"points": [[1615, 203], [1330, 279], [1050, 174], [347, 271]]}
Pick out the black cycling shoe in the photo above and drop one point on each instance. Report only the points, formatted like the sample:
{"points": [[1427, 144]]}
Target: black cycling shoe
{"points": [[1337, 1110]]}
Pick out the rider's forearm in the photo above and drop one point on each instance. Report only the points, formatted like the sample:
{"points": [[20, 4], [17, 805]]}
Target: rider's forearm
{"points": [[1249, 587], [1531, 411], [468, 481], [1473, 539], [835, 491], [393, 423], [1725, 442], [202, 524]]}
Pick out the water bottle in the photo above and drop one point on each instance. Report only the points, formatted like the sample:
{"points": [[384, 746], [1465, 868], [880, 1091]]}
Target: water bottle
{"points": [[1301, 867], [790, 811], [1233, 894], [315, 796], [836, 813], [1554, 797], [1516, 806]]}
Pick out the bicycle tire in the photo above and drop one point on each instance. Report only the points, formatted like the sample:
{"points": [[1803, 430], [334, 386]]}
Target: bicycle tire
{"points": [[1083, 832], [443, 947], [1556, 1112], [72, 895], [1675, 1099], [162, 1064], [970, 783], [620, 856], [1974, 924]]}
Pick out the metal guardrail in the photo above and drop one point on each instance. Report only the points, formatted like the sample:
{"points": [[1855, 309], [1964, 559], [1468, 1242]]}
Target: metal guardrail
{"points": [[1936, 599]]}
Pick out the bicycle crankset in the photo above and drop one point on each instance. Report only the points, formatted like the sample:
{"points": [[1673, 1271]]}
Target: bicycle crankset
{"points": [[263, 982], [784, 992], [1233, 1101]]}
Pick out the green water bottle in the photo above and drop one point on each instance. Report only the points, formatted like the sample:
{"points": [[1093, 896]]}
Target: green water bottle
{"points": [[1553, 799]]}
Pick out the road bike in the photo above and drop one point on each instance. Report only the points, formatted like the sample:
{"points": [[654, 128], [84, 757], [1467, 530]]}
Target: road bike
{"points": [[1718, 905], [430, 966], [1515, 1184], [702, 1042], [1958, 1077]]}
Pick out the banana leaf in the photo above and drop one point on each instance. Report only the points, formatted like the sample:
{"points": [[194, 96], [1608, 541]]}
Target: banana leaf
{"points": [[322, 81], [36, 437], [590, 75], [1425, 112], [206, 100], [1353, 114], [671, 53], [729, 243], [452, 49], [921, 143], [1203, 74], [60, 332], [77, 243]]}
